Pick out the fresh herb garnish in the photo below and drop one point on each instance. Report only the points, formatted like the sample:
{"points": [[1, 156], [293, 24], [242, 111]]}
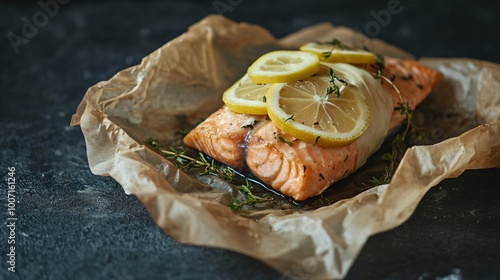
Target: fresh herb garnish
{"points": [[334, 88], [326, 55], [397, 145], [183, 161], [316, 140], [250, 199], [379, 66], [397, 149], [320, 202], [285, 141], [335, 44], [182, 132], [338, 43]]}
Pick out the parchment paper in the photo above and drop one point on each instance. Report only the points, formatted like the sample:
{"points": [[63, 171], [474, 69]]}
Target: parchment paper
{"points": [[183, 81]]}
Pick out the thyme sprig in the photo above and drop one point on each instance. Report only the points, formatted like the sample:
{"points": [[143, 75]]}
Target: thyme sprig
{"points": [[404, 107], [250, 198], [334, 88], [335, 44], [379, 66], [397, 148], [183, 161], [321, 201], [397, 145]]}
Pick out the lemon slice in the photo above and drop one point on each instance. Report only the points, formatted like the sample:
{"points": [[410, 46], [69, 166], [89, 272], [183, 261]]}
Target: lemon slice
{"points": [[335, 53], [304, 110], [246, 97], [283, 66]]}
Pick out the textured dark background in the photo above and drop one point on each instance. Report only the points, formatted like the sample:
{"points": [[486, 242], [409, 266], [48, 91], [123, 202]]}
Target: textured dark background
{"points": [[74, 225]]}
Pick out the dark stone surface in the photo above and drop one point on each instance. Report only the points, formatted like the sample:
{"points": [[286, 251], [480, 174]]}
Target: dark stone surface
{"points": [[74, 225]]}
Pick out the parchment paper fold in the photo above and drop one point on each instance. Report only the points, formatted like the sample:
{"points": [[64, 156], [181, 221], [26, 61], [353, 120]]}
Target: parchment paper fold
{"points": [[184, 80]]}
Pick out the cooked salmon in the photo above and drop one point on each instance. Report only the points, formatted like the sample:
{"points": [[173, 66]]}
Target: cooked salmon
{"points": [[293, 167], [299, 170], [414, 80], [223, 136]]}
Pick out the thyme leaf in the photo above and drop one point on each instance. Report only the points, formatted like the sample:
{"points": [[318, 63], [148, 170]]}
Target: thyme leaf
{"points": [[335, 44], [320, 202], [250, 198], [285, 141], [326, 55], [182, 132], [379, 68], [338, 43], [316, 140], [334, 88]]}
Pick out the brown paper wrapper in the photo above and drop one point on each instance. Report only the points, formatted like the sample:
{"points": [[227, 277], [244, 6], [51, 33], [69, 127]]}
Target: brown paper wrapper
{"points": [[183, 81]]}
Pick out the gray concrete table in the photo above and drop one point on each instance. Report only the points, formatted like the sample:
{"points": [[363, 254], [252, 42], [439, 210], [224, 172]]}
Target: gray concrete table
{"points": [[74, 225]]}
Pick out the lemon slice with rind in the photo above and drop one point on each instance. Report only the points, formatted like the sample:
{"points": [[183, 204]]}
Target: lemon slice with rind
{"points": [[246, 97], [335, 53], [283, 67], [304, 110]]}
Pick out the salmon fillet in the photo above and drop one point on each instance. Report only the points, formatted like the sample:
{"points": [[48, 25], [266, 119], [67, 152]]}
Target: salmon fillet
{"points": [[300, 170], [222, 136], [414, 80]]}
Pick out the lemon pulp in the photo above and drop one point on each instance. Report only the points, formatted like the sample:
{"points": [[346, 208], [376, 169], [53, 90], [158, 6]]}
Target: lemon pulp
{"points": [[246, 97], [304, 110]]}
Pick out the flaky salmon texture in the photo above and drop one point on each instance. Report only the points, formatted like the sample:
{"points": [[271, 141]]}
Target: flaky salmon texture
{"points": [[301, 170]]}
